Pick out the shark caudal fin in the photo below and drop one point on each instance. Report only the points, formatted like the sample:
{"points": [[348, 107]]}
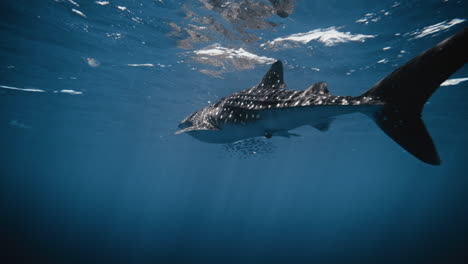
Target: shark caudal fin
{"points": [[406, 90]]}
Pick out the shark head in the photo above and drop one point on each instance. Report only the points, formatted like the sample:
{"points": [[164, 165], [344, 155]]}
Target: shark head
{"points": [[187, 122]]}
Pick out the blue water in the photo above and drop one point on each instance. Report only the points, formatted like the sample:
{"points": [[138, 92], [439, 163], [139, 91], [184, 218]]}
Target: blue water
{"points": [[91, 94]]}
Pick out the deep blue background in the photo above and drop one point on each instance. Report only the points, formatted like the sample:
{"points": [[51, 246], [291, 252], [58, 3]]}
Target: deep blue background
{"points": [[101, 177]]}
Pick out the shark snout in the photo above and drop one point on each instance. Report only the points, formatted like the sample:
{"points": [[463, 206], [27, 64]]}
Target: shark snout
{"points": [[184, 124]]}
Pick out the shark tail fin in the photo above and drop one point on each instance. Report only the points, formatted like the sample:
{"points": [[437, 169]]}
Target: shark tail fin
{"points": [[406, 90]]}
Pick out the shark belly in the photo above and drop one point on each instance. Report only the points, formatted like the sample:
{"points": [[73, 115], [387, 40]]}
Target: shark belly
{"points": [[271, 121], [291, 118], [229, 133]]}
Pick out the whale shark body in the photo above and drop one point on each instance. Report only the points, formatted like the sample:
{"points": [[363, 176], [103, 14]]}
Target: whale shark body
{"points": [[395, 103]]}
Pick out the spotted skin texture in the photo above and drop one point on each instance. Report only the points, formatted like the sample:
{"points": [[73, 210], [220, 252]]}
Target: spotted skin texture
{"points": [[269, 96], [247, 105]]}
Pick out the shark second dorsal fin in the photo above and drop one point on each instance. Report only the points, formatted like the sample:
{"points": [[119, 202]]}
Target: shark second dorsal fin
{"points": [[273, 79], [317, 88]]}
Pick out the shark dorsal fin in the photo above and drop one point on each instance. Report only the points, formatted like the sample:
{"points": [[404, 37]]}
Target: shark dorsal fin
{"points": [[273, 79], [317, 88]]}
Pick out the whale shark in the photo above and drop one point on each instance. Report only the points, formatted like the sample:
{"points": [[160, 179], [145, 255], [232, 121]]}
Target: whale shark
{"points": [[395, 103]]}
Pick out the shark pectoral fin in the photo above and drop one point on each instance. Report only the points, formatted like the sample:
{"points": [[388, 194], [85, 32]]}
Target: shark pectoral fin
{"points": [[192, 128], [324, 126], [286, 134]]}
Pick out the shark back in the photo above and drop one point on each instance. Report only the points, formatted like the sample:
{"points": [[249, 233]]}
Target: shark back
{"points": [[267, 99]]}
